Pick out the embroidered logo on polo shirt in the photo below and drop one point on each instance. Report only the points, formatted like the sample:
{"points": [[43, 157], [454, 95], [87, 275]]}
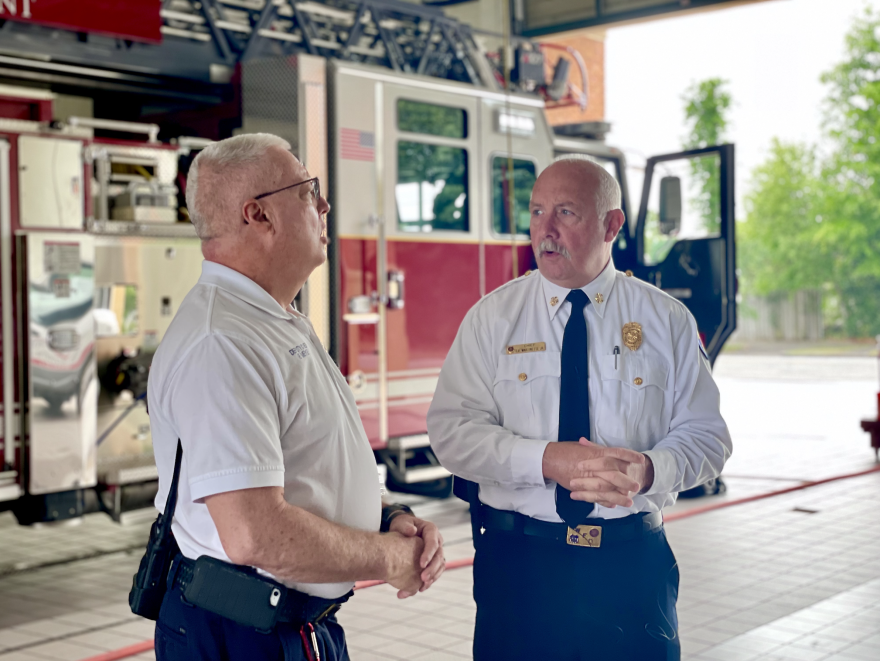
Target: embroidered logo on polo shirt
{"points": [[300, 351]]}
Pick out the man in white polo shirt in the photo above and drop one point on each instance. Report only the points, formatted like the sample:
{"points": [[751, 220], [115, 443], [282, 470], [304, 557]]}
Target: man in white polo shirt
{"points": [[277, 480]]}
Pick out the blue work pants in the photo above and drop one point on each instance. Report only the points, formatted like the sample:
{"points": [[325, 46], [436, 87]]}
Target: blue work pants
{"points": [[543, 599]]}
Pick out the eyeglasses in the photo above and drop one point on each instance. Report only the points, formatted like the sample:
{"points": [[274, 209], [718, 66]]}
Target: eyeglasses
{"points": [[316, 189]]}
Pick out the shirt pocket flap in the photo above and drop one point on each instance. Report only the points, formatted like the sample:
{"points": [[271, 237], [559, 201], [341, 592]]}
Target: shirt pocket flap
{"points": [[525, 367], [636, 371]]}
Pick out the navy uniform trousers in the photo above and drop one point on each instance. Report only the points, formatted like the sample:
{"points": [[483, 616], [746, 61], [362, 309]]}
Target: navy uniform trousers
{"points": [[543, 599], [188, 633]]}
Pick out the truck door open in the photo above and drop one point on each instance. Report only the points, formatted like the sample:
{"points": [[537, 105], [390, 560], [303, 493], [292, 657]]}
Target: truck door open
{"points": [[684, 237]]}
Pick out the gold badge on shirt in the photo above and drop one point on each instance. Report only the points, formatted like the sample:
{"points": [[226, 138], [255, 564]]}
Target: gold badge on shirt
{"points": [[632, 335], [526, 348]]}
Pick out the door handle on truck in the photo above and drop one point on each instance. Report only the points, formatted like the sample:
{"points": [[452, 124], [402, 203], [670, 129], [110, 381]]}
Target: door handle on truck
{"points": [[360, 311], [395, 289]]}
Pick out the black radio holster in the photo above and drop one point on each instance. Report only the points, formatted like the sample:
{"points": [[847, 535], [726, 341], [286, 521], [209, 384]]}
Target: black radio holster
{"points": [[469, 492], [149, 584], [235, 592]]}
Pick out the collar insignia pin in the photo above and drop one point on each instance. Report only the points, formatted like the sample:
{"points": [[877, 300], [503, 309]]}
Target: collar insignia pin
{"points": [[600, 298], [554, 300], [632, 335]]}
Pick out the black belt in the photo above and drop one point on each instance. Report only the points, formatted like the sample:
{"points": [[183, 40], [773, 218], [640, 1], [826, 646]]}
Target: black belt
{"points": [[247, 592], [594, 533]]}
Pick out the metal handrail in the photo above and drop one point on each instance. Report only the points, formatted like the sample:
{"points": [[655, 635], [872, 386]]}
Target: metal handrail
{"points": [[151, 130]]}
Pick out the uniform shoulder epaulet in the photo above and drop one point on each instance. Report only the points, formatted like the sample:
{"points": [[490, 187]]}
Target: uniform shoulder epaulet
{"points": [[628, 276], [528, 275]]}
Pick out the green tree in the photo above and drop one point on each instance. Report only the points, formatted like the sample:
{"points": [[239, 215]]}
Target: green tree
{"points": [[706, 105], [425, 164], [779, 247], [850, 230], [523, 180], [657, 244], [706, 108], [815, 223]]}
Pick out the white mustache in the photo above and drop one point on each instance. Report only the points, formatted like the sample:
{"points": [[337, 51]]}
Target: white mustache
{"points": [[548, 245]]}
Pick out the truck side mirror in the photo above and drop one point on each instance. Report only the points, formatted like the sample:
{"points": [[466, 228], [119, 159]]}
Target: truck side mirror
{"points": [[670, 205]]}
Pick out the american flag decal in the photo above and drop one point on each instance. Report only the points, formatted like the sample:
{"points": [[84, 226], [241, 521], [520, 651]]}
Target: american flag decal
{"points": [[357, 145]]}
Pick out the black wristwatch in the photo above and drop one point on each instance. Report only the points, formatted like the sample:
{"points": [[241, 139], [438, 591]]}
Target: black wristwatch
{"points": [[390, 512]]}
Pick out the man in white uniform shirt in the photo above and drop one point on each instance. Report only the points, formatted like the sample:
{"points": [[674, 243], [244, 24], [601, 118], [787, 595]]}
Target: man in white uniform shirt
{"points": [[573, 562], [277, 473]]}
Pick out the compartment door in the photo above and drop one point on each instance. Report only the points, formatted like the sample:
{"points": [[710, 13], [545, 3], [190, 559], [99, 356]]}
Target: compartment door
{"points": [[685, 236], [58, 331], [432, 263]]}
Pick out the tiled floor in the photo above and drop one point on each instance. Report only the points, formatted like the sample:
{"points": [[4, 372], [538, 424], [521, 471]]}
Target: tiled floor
{"points": [[843, 627], [23, 547], [792, 577], [771, 561]]}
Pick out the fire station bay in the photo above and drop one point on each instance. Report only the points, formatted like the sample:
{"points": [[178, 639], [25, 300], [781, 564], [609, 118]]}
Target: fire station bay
{"points": [[348, 329]]}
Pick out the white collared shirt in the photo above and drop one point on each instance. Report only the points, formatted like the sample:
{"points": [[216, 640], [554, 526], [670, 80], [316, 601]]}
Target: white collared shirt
{"points": [[494, 412], [256, 402]]}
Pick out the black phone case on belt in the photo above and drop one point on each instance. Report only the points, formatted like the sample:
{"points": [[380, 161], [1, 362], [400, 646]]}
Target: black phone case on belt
{"points": [[225, 590]]}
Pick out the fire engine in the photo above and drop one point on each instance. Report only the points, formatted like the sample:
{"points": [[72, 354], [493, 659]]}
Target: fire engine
{"points": [[428, 156]]}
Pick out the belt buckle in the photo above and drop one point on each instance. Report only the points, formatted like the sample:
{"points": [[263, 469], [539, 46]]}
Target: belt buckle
{"points": [[587, 536]]}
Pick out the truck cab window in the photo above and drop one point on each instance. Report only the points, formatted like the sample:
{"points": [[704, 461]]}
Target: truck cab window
{"points": [[521, 182], [684, 203], [418, 117], [432, 188]]}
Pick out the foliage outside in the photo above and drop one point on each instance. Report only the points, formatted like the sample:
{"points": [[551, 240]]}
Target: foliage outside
{"points": [[438, 175], [706, 107], [657, 244], [813, 220], [523, 180], [431, 179], [429, 118]]}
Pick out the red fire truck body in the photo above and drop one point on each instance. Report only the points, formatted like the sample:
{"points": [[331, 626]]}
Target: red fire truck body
{"points": [[422, 175]]}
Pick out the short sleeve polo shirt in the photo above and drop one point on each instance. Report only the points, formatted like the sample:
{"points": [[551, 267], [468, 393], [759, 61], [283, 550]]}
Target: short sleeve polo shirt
{"points": [[257, 402]]}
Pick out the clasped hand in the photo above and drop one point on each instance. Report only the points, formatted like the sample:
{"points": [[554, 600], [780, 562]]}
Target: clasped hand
{"points": [[597, 474], [429, 561]]}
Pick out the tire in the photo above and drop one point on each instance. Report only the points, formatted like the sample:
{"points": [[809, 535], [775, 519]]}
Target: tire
{"points": [[55, 402]]}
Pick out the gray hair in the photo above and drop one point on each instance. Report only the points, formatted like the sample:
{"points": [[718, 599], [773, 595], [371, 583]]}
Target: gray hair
{"points": [[608, 196], [231, 160]]}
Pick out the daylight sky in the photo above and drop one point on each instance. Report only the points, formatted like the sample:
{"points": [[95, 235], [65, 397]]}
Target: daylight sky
{"points": [[772, 53]]}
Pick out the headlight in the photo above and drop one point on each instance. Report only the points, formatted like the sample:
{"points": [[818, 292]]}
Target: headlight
{"points": [[63, 339]]}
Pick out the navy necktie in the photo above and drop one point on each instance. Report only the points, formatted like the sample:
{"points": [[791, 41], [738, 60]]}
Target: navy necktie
{"points": [[574, 399]]}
